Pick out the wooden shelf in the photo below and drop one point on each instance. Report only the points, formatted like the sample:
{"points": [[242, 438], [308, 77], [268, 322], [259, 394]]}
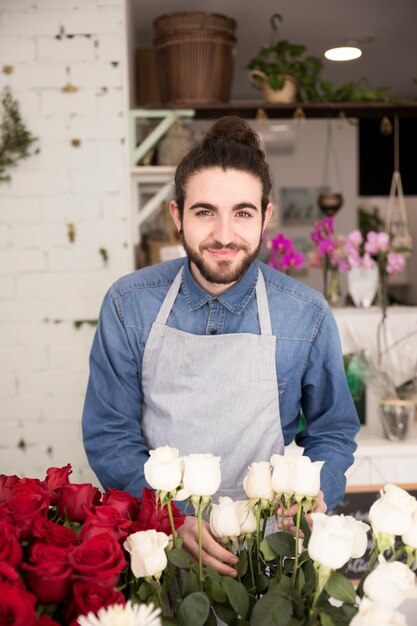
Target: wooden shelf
{"points": [[249, 109]]}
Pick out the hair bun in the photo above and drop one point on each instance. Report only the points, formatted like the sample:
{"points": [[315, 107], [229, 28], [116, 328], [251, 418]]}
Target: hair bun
{"points": [[234, 128]]}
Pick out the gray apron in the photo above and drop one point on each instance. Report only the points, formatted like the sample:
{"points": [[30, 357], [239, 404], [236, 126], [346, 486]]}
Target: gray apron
{"points": [[213, 393]]}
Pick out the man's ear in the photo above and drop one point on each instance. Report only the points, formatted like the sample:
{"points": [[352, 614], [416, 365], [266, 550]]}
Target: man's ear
{"points": [[175, 214], [267, 217]]}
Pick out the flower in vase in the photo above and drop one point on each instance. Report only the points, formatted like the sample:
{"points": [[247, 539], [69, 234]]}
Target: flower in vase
{"points": [[395, 263], [119, 615]]}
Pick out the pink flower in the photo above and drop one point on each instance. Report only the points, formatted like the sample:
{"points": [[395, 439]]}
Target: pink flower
{"points": [[292, 259], [376, 242], [326, 247], [354, 239], [344, 266], [367, 261], [315, 260], [395, 263], [281, 244], [354, 259]]}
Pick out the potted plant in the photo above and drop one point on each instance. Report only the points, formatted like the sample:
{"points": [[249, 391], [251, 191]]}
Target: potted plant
{"points": [[284, 72]]}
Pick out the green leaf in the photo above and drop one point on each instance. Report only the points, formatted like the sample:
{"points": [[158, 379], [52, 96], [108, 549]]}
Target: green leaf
{"points": [[325, 619], [262, 582], [167, 621], [282, 543], [285, 584], [194, 610], [242, 565], [300, 582], [215, 590], [191, 583], [237, 595], [211, 620], [340, 588], [213, 574], [264, 609], [283, 612], [144, 591], [267, 552], [225, 613], [178, 558]]}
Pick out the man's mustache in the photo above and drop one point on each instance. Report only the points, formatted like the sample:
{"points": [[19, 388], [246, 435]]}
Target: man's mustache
{"points": [[216, 245]]}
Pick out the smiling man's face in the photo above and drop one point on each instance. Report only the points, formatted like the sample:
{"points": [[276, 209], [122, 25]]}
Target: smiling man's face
{"points": [[221, 225]]}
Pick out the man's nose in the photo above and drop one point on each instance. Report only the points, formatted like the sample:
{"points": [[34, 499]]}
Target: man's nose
{"points": [[224, 232]]}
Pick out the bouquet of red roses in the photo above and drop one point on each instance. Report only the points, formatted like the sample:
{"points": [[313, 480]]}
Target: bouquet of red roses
{"points": [[61, 547]]}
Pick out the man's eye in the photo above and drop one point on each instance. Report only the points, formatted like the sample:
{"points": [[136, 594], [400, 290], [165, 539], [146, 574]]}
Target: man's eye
{"points": [[243, 214], [204, 212]]}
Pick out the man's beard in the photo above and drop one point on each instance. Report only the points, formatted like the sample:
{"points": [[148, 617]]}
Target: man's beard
{"points": [[224, 274]]}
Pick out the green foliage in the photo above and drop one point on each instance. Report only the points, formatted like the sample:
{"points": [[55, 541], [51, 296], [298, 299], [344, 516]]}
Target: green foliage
{"points": [[286, 59], [194, 610], [15, 138]]}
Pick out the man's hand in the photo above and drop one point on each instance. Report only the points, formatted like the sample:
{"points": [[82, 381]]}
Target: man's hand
{"points": [[320, 507], [214, 554]]}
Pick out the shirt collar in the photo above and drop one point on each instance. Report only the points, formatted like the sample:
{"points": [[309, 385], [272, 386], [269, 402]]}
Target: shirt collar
{"points": [[234, 299]]}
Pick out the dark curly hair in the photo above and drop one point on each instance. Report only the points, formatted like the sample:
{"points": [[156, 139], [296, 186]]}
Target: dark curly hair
{"points": [[230, 144]]}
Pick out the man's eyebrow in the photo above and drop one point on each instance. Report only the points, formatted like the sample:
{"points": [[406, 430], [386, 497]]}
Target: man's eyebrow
{"points": [[212, 207]]}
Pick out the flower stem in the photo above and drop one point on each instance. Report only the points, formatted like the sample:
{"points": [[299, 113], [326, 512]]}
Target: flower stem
{"points": [[258, 537], [251, 563], [171, 521], [297, 535], [200, 545], [372, 561], [158, 595]]}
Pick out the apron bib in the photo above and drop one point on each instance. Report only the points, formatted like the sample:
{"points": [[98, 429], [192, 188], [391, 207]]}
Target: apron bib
{"points": [[213, 393]]}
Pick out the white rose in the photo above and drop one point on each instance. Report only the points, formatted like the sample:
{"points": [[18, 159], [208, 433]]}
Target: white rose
{"points": [[390, 584], [392, 513], [334, 539], [147, 552], [296, 475], [247, 519], [257, 482], [372, 614], [202, 476], [282, 473], [360, 537], [410, 537], [224, 518], [163, 469]]}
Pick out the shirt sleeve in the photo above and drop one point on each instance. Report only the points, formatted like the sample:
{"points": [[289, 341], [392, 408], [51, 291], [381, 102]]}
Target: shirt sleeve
{"points": [[330, 413], [112, 435]]}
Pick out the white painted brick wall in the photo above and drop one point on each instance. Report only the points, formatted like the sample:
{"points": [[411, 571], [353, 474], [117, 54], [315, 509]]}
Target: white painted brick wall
{"points": [[47, 282]]}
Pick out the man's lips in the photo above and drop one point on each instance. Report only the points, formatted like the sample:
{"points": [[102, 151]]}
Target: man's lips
{"points": [[223, 253]]}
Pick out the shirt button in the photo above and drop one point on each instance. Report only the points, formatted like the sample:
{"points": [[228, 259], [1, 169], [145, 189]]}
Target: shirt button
{"points": [[213, 331], [215, 300]]}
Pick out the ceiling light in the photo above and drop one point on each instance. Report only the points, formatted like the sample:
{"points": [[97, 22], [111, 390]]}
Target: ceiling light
{"points": [[343, 53]]}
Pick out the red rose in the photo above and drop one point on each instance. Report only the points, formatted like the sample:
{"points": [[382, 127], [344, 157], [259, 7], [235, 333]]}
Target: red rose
{"points": [[54, 534], [75, 500], [9, 575], [6, 486], [125, 502], [10, 549], [30, 485], [56, 477], [23, 508], [17, 606], [105, 519], [152, 516], [45, 620], [90, 597], [48, 573], [100, 560]]}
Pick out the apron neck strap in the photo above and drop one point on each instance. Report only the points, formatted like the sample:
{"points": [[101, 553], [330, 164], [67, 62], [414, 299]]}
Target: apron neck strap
{"points": [[261, 298], [263, 307]]}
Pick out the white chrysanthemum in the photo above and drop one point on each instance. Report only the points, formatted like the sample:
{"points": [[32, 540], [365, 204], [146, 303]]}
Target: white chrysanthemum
{"points": [[119, 615]]}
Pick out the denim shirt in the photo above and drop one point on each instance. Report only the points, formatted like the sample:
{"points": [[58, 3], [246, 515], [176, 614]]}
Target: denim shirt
{"points": [[309, 367]]}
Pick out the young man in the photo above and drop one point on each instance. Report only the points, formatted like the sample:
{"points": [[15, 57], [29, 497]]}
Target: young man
{"points": [[218, 352]]}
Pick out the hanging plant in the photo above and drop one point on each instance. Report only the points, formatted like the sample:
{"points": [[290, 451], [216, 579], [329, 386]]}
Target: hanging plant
{"points": [[15, 138]]}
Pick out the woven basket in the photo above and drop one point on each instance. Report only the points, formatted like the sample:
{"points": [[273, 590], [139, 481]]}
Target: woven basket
{"points": [[194, 54]]}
